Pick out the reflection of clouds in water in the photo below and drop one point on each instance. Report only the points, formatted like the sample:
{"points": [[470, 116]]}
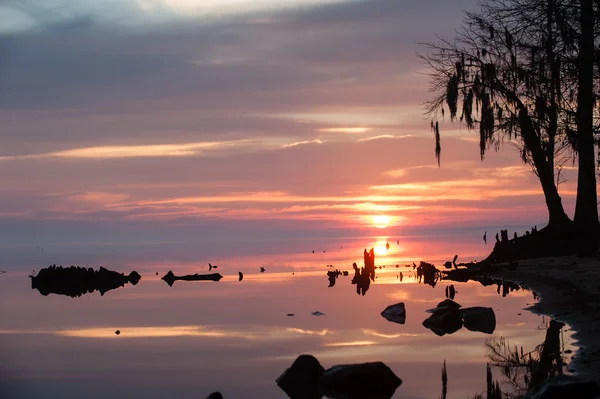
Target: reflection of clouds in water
{"points": [[352, 343], [368, 331], [241, 332], [310, 332]]}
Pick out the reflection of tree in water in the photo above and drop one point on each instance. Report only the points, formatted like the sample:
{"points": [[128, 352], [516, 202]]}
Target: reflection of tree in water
{"points": [[332, 275], [363, 276], [427, 273], [525, 370]]}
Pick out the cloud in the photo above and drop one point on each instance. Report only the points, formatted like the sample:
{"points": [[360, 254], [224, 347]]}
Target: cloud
{"points": [[384, 136], [349, 130], [15, 21]]}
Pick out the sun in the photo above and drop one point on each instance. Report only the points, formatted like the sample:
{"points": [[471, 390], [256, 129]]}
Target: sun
{"points": [[381, 221]]}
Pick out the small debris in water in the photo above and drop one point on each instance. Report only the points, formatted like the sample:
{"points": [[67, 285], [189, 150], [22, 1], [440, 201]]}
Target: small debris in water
{"points": [[317, 313], [118, 332], [291, 314]]}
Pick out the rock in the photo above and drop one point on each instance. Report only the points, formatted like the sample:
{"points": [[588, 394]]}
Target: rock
{"points": [[395, 313], [444, 321], [240, 276], [215, 395], [118, 332], [317, 313], [301, 380], [478, 318], [566, 387], [357, 381]]}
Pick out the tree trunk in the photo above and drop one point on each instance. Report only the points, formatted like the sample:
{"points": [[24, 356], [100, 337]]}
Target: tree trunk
{"points": [[586, 207], [557, 217]]}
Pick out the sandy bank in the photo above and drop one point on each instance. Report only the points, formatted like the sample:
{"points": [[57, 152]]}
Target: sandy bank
{"points": [[569, 290]]}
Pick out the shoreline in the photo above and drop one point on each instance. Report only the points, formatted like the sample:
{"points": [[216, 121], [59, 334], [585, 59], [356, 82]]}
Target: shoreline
{"points": [[569, 291]]}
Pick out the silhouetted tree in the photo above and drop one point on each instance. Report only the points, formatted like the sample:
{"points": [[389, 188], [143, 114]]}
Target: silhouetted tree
{"points": [[530, 67], [502, 71], [586, 208]]}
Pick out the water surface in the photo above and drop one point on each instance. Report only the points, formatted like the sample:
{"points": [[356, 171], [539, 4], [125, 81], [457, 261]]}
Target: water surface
{"points": [[193, 338]]}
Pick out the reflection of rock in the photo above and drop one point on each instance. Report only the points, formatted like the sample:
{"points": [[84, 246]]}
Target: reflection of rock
{"points": [[395, 313], [301, 380], [357, 381], [75, 281], [444, 321], [170, 278], [449, 317], [450, 291], [479, 319], [306, 379], [445, 304], [448, 304], [566, 387]]}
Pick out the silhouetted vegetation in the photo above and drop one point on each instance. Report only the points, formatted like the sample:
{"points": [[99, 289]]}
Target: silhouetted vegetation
{"points": [[75, 281]]}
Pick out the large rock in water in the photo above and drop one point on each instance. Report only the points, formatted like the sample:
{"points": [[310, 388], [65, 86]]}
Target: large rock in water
{"points": [[215, 395], [359, 381], [301, 380], [444, 321], [479, 319], [566, 387], [395, 313]]}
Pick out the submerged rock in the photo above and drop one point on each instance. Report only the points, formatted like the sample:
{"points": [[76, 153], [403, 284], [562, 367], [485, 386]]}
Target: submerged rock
{"points": [[301, 380], [444, 321], [358, 381], [395, 313], [478, 318]]}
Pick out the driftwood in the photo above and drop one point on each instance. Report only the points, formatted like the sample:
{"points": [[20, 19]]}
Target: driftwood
{"points": [[170, 278]]}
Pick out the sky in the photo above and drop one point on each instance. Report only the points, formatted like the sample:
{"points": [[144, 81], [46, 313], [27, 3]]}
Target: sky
{"points": [[166, 120]]}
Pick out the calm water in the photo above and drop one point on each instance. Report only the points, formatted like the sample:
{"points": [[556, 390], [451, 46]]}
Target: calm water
{"points": [[193, 338]]}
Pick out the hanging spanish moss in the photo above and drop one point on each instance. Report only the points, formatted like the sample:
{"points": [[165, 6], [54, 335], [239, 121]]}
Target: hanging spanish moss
{"points": [[452, 96], [438, 148]]}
